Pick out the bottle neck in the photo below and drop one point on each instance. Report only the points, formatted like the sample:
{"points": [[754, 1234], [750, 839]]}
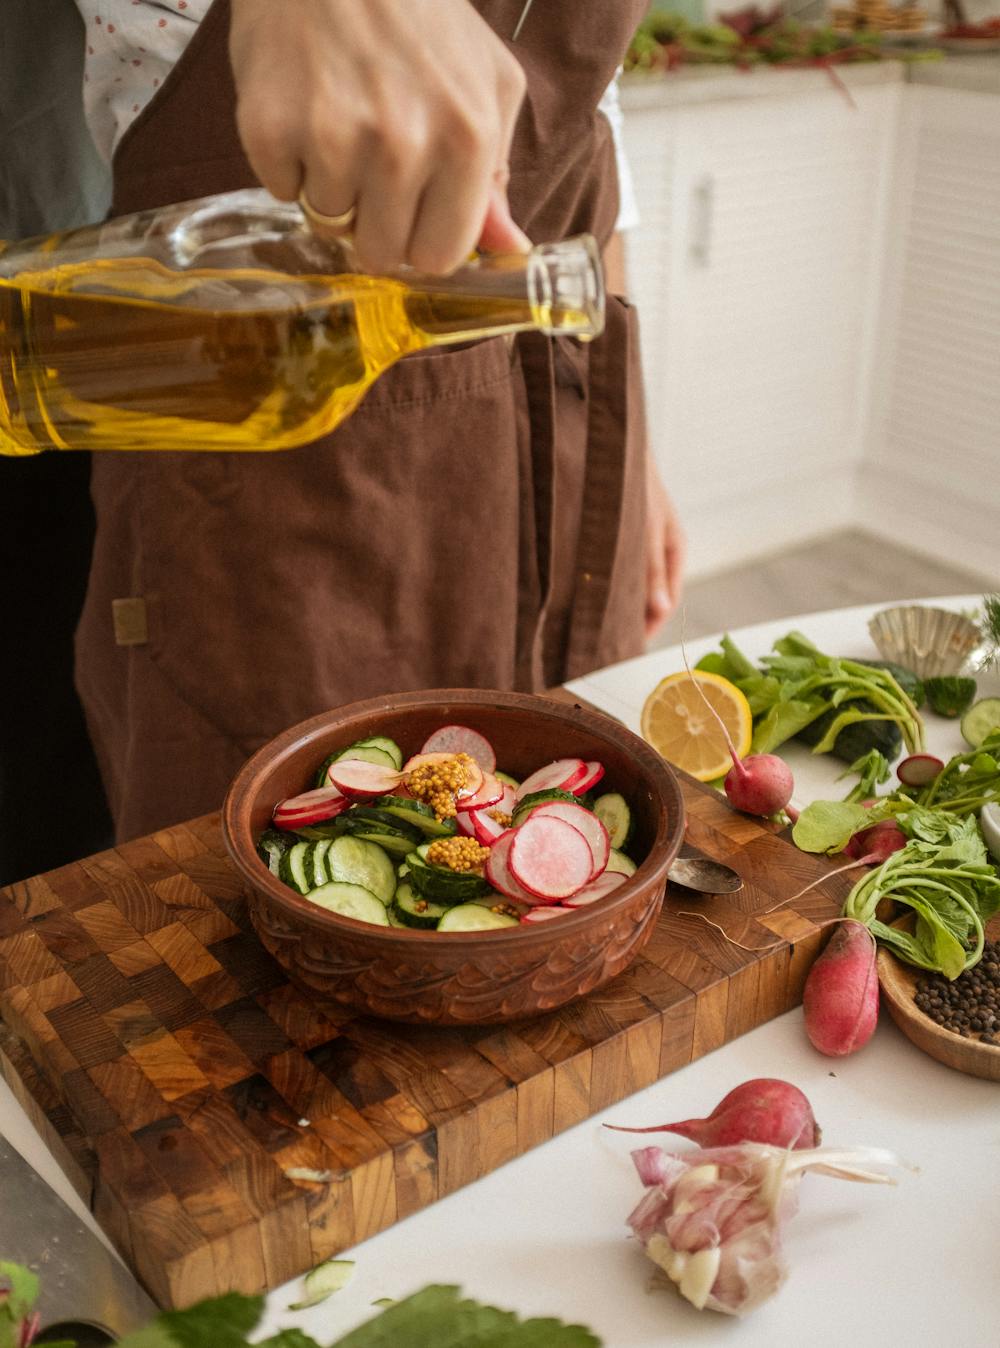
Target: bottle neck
{"points": [[556, 288]]}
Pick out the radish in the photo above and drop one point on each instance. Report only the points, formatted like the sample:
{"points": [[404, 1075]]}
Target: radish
{"points": [[762, 1110], [479, 824], [311, 807], [840, 998], [919, 769], [361, 780], [498, 873], [597, 889], [562, 775], [877, 842], [593, 774], [490, 793], [585, 821], [544, 914], [550, 858], [461, 739]]}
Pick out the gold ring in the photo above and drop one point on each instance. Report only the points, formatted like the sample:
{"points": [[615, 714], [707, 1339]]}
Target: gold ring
{"points": [[334, 222]]}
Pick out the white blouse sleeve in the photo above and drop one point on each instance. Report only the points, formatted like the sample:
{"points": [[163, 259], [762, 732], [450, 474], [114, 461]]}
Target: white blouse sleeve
{"points": [[628, 207]]}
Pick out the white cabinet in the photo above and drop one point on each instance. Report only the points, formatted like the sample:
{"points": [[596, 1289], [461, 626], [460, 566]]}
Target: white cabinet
{"points": [[935, 432], [757, 269]]}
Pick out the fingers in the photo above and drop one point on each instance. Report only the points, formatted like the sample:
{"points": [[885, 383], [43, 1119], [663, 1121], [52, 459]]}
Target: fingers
{"points": [[499, 233]]}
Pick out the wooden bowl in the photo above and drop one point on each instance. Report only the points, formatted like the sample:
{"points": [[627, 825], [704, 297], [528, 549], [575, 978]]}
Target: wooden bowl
{"points": [[458, 978], [898, 982]]}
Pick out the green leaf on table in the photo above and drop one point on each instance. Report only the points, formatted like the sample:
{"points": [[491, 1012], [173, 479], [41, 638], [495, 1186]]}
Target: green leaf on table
{"points": [[783, 721], [438, 1317], [219, 1322], [829, 825], [20, 1290]]}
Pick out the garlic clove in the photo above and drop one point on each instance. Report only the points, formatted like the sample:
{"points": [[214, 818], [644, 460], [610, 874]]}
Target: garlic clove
{"points": [[699, 1275]]}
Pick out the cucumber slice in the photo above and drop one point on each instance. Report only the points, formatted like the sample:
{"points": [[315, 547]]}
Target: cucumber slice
{"points": [[474, 917], [367, 750], [323, 1281], [613, 812], [507, 779], [619, 862], [394, 919], [383, 820], [440, 883], [315, 864], [292, 868], [350, 901], [413, 910], [419, 815], [271, 847], [382, 742], [392, 843], [981, 718], [541, 798], [356, 861]]}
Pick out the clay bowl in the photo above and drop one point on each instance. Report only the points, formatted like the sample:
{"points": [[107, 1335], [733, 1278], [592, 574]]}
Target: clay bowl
{"points": [[458, 978], [898, 982]]}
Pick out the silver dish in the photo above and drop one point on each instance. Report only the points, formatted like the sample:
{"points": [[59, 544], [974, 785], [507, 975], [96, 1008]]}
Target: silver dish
{"points": [[931, 641]]}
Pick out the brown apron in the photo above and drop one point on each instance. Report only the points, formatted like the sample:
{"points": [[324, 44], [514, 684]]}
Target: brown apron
{"points": [[477, 522]]}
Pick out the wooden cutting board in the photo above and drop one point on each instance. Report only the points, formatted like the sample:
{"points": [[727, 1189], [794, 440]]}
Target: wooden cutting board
{"points": [[186, 1086]]}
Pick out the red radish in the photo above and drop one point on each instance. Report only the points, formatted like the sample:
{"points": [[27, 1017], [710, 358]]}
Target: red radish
{"points": [[597, 889], [840, 998], [361, 780], [498, 872], [481, 825], [919, 769], [550, 858], [311, 807], [508, 801], [561, 775], [593, 774], [543, 914], [877, 842], [585, 821], [460, 739], [474, 771], [490, 793], [763, 1110]]}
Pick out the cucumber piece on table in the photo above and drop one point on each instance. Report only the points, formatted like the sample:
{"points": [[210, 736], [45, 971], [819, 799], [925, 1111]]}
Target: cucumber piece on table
{"points": [[613, 812], [350, 901], [417, 814], [413, 910], [619, 862], [474, 917], [292, 868], [356, 861]]}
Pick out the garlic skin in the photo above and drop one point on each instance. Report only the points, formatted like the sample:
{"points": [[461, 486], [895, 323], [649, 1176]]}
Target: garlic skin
{"points": [[712, 1219]]}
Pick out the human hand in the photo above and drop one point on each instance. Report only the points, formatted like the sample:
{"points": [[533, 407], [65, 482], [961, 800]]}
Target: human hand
{"points": [[404, 111], [666, 549]]}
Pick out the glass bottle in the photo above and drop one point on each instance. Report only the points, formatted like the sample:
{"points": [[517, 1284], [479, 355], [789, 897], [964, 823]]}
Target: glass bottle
{"points": [[225, 323]]}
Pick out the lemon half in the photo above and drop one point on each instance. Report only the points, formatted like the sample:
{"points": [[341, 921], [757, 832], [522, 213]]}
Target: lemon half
{"points": [[678, 724]]}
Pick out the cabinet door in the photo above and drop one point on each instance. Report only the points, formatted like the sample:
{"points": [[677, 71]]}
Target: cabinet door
{"points": [[758, 311]]}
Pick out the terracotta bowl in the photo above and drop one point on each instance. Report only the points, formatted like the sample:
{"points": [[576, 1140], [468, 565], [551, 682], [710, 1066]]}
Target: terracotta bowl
{"points": [[459, 978]]}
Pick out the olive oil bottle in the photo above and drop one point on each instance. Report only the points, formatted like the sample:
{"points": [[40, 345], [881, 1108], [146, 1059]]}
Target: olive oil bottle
{"points": [[226, 324]]}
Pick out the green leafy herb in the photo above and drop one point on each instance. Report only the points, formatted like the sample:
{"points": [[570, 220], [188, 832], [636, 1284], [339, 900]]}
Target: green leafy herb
{"points": [[829, 825], [439, 1317], [991, 626], [873, 769]]}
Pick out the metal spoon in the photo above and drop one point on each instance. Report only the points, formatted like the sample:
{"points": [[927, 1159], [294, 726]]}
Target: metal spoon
{"points": [[710, 877]]}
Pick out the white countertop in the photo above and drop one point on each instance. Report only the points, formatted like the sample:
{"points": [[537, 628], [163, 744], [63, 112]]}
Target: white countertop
{"points": [[868, 1265]]}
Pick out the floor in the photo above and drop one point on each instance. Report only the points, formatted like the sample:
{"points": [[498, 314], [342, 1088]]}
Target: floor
{"points": [[837, 571]]}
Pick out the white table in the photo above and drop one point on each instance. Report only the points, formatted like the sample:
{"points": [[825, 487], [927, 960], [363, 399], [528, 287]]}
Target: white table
{"points": [[869, 1265]]}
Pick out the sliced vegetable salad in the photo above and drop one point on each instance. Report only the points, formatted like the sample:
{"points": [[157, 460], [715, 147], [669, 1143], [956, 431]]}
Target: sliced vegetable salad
{"points": [[444, 841]]}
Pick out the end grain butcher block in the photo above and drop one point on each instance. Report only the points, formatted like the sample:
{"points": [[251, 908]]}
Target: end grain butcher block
{"points": [[231, 1133]]}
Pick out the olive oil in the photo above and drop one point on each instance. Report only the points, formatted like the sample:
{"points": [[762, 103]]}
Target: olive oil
{"points": [[127, 353]]}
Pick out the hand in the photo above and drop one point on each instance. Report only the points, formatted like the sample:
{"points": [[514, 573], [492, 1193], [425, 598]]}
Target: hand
{"points": [[404, 111], [666, 548]]}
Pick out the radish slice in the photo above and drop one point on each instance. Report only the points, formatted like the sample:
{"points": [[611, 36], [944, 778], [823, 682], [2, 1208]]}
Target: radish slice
{"points": [[312, 807], [508, 801], [593, 774], [460, 739], [597, 889], [474, 770], [543, 914], [585, 822], [490, 793], [498, 872], [561, 775], [479, 825], [361, 780], [919, 769], [550, 858]]}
